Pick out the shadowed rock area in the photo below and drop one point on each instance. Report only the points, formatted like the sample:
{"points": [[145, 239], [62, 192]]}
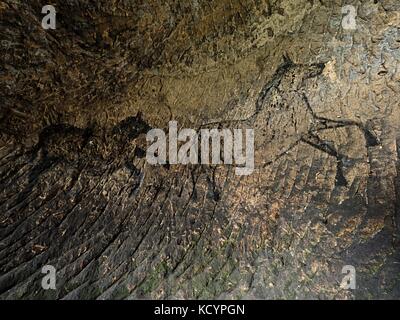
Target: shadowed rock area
{"points": [[77, 193]]}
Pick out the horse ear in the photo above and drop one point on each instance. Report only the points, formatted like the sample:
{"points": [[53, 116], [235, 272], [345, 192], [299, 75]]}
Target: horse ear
{"points": [[286, 59]]}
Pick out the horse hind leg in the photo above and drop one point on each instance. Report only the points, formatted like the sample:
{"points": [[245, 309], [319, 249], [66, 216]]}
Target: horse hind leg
{"points": [[324, 146]]}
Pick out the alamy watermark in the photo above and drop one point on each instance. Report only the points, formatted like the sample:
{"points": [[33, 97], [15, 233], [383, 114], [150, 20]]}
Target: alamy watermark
{"points": [[227, 147], [49, 280], [349, 20], [49, 20], [349, 280]]}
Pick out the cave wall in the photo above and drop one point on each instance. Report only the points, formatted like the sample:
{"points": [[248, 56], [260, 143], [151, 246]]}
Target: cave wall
{"points": [[77, 193]]}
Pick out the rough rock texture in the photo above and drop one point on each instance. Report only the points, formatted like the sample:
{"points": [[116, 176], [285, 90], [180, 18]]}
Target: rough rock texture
{"points": [[76, 191]]}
